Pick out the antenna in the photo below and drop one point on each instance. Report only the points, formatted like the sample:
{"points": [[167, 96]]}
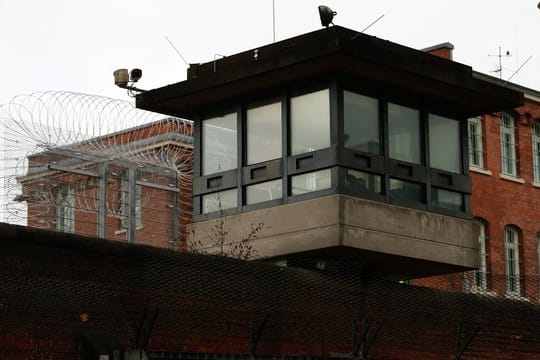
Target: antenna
{"points": [[175, 49], [373, 23], [367, 27], [518, 69], [274, 19], [500, 56]]}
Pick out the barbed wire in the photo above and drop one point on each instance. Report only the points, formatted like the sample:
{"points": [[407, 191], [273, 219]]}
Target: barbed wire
{"points": [[52, 139]]}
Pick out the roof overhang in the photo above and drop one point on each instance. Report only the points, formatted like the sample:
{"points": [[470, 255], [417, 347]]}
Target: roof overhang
{"points": [[393, 69]]}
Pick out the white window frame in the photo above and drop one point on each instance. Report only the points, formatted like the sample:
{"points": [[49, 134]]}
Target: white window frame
{"points": [[476, 142], [480, 275], [508, 145], [536, 151], [511, 250], [65, 208]]}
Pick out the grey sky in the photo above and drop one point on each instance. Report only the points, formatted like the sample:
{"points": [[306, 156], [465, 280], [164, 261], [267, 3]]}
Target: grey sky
{"points": [[76, 45]]}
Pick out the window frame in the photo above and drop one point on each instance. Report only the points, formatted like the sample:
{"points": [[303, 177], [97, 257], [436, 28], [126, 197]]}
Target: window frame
{"points": [[290, 140], [508, 148], [420, 125], [337, 156], [378, 127], [536, 151], [434, 153], [512, 260], [65, 208], [476, 137], [246, 136], [214, 116], [480, 276], [123, 202]]}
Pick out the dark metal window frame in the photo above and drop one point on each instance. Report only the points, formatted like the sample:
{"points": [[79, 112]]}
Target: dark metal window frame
{"points": [[336, 157]]}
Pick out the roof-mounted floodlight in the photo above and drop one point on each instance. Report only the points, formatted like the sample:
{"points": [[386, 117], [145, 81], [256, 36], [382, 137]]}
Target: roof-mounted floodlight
{"points": [[125, 79], [326, 14]]}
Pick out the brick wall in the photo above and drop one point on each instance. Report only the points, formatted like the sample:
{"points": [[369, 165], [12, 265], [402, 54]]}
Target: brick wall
{"points": [[501, 202]]}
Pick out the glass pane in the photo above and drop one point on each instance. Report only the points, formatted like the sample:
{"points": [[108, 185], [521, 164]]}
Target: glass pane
{"points": [[361, 122], [265, 191], [404, 191], [536, 151], [222, 200], [361, 181], [219, 144], [480, 275], [404, 133], [475, 143], [508, 152], [444, 144], [318, 180], [310, 122], [444, 199], [264, 133]]}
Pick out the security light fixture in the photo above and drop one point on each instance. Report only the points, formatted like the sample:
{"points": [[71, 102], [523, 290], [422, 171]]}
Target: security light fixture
{"points": [[326, 14], [135, 75], [125, 80]]}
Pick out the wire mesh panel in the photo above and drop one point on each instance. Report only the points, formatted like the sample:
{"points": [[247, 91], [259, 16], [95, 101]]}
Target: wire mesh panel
{"points": [[96, 297]]}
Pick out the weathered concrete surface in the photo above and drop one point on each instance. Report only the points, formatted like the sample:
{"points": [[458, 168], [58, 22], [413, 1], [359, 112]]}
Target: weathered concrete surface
{"points": [[373, 233]]}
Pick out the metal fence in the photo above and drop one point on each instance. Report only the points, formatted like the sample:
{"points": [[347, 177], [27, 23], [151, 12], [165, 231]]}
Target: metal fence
{"points": [[67, 297]]}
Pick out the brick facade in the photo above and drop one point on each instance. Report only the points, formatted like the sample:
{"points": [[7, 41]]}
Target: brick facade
{"points": [[501, 201]]}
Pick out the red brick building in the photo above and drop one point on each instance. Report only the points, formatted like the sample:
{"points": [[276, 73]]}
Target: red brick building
{"points": [[504, 164], [505, 173], [133, 185]]}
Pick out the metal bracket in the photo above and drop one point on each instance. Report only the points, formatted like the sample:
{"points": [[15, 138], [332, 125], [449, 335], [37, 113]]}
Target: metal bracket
{"points": [[465, 335], [370, 330]]}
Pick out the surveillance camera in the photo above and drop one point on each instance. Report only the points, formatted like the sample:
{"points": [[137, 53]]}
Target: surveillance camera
{"points": [[121, 77], [135, 75]]}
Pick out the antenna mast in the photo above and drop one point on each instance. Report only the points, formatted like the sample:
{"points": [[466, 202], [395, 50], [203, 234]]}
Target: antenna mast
{"points": [[500, 56], [274, 19], [177, 51], [518, 69]]}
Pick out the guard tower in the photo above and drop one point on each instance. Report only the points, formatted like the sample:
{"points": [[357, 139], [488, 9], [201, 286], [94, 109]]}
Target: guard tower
{"points": [[345, 145]]}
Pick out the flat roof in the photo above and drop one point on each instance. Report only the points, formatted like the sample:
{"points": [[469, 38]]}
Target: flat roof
{"points": [[387, 67]]}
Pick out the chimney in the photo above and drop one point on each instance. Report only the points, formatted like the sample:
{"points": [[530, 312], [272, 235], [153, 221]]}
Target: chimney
{"points": [[443, 50]]}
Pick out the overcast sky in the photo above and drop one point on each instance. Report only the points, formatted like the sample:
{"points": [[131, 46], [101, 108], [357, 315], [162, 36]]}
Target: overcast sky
{"points": [[76, 45]]}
